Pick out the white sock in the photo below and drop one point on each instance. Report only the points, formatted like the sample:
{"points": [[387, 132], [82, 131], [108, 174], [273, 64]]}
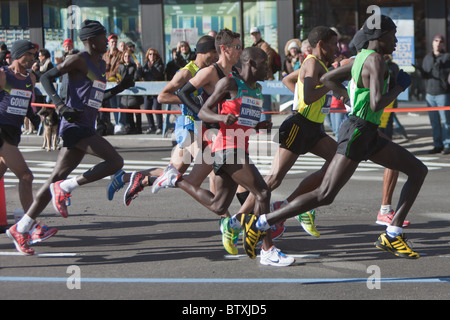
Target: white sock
{"points": [[385, 209], [24, 225], [234, 223], [394, 231], [69, 185], [262, 224]]}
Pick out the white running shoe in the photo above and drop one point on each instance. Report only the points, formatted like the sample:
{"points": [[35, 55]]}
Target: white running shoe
{"points": [[274, 257], [167, 179]]}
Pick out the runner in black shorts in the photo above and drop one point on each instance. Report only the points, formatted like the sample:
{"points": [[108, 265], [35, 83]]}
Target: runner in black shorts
{"points": [[86, 92], [369, 96], [299, 135], [303, 132]]}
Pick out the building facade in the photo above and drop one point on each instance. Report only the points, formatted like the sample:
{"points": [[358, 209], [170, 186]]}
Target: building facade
{"points": [[160, 24]]}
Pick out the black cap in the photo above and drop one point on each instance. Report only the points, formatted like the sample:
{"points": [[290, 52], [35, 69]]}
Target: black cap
{"points": [[20, 47], [359, 41], [90, 28], [373, 32]]}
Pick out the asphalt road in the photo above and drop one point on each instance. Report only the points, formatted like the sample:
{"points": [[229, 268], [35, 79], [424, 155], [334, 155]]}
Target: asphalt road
{"points": [[168, 247]]}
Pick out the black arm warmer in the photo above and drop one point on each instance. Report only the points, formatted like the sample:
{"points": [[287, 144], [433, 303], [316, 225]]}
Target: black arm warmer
{"points": [[34, 118], [47, 80], [112, 92], [185, 96]]}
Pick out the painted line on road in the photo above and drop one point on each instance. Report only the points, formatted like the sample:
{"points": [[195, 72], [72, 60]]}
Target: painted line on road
{"points": [[227, 281], [44, 255], [299, 256]]}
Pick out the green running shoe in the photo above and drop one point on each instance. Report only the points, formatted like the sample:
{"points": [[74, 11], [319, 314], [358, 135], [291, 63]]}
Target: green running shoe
{"points": [[307, 222], [230, 236]]}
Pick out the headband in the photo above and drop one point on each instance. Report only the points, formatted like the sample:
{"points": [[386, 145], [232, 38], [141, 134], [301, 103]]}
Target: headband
{"points": [[205, 47], [373, 33], [90, 28], [20, 47]]}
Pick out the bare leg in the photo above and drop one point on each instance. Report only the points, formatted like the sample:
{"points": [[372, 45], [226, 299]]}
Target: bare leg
{"points": [[12, 158], [326, 149], [390, 178], [97, 146], [66, 162], [339, 172], [282, 163], [416, 171]]}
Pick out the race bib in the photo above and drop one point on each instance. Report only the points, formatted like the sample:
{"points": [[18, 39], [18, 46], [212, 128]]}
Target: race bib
{"points": [[327, 104], [250, 112], [351, 94], [18, 102], [96, 96]]}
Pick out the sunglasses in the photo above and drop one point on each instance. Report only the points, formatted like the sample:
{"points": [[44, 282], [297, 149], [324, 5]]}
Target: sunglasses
{"points": [[235, 46]]}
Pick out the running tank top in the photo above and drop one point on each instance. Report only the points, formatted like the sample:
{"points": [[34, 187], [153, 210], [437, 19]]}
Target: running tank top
{"points": [[15, 99], [318, 110], [86, 94], [247, 105], [360, 97]]}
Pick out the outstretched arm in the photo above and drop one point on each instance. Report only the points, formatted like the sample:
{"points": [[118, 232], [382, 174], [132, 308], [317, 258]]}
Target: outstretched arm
{"points": [[333, 79]]}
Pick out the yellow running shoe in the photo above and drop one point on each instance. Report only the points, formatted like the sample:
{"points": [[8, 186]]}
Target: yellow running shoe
{"points": [[252, 235], [307, 222], [397, 246], [230, 236]]}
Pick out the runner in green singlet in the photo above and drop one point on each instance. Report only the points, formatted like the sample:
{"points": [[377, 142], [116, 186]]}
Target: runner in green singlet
{"points": [[359, 139]]}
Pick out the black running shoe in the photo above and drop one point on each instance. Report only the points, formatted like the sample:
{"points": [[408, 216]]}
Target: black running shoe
{"points": [[397, 246], [252, 235]]}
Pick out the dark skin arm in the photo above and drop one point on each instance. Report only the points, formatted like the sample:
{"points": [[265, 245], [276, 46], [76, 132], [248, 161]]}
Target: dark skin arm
{"points": [[333, 79], [372, 76], [225, 87]]}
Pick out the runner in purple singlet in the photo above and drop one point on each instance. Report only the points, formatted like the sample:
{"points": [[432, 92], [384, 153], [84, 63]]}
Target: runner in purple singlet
{"points": [[86, 92]]}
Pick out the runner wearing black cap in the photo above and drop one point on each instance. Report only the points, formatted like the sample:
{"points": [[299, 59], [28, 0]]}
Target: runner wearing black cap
{"points": [[86, 92], [359, 140]]}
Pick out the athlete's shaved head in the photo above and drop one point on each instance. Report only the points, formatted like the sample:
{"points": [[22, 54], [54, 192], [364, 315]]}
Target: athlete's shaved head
{"points": [[320, 33], [252, 53]]}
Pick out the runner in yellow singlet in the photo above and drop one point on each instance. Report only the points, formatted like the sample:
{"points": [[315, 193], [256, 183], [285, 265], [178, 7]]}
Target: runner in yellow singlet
{"points": [[303, 132], [359, 139]]}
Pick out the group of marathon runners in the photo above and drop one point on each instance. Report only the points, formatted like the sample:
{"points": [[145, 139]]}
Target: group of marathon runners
{"points": [[221, 107]]}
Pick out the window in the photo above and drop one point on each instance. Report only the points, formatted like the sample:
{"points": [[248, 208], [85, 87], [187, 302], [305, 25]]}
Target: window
{"points": [[261, 14], [14, 21], [189, 20], [118, 17]]}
